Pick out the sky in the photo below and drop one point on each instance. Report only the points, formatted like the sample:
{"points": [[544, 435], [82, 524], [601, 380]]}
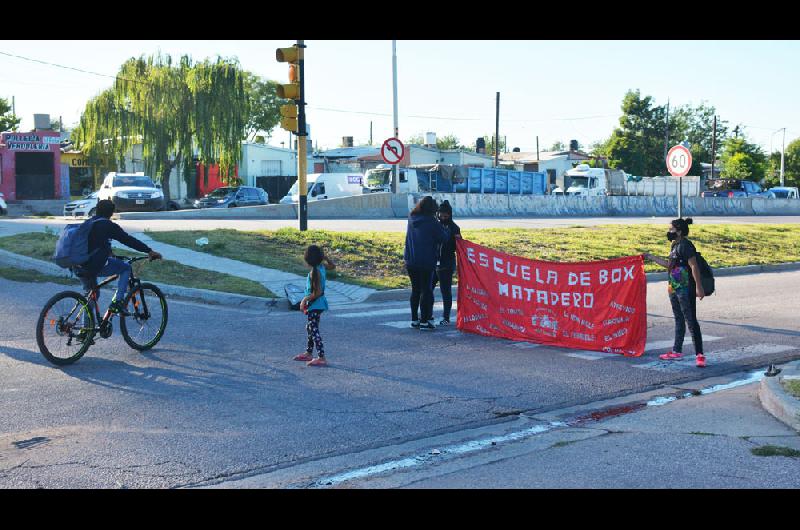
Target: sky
{"points": [[556, 90]]}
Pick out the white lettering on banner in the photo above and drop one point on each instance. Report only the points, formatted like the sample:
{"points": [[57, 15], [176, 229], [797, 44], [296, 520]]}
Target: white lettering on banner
{"points": [[613, 321], [583, 336], [496, 267], [471, 255], [566, 299], [514, 311], [621, 307], [482, 330], [579, 320], [628, 272], [616, 335], [478, 303], [526, 272], [475, 290], [583, 279], [514, 326], [475, 318]]}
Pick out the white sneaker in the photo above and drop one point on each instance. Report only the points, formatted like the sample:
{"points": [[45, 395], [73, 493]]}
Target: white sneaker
{"points": [[429, 325], [444, 322], [415, 324]]}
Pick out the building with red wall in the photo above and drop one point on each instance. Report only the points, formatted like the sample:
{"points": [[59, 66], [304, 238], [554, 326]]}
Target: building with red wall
{"points": [[30, 166]]}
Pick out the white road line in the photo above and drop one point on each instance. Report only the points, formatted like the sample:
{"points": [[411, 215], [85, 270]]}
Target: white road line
{"points": [[663, 344], [379, 312]]}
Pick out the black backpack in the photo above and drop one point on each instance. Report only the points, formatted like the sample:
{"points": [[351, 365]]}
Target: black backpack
{"points": [[706, 274]]}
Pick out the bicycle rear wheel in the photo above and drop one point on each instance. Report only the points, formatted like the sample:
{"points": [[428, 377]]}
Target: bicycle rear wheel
{"points": [[147, 321], [65, 328]]}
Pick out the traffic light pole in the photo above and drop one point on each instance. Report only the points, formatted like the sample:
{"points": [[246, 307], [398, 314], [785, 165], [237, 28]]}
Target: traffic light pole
{"points": [[302, 144]]}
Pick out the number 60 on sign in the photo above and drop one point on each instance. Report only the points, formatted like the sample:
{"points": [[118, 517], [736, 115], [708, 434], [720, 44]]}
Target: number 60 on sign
{"points": [[679, 161]]}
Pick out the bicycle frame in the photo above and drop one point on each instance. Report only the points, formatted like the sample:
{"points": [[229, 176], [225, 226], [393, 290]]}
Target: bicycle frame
{"points": [[92, 294]]}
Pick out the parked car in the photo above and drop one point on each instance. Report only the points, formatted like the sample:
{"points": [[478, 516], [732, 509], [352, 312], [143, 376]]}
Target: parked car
{"points": [[3, 205], [785, 193], [735, 188], [132, 192], [85, 207], [231, 197]]}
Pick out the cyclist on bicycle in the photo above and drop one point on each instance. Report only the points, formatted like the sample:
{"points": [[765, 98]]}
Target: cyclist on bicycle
{"points": [[101, 262]]}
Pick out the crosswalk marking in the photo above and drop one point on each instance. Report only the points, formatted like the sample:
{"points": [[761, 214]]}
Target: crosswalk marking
{"points": [[404, 309]]}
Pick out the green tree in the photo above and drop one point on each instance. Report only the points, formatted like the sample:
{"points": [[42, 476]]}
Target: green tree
{"points": [[8, 120], [637, 145], [449, 141], [170, 109], [490, 145], [416, 139], [743, 159], [791, 166], [557, 146], [264, 104], [696, 125]]}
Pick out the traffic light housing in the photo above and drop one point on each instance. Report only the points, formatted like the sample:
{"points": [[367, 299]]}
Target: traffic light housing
{"points": [[291, 56], [289, 117]]}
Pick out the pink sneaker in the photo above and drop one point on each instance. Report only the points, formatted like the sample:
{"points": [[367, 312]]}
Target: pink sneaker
{"points": [[303, 357], [319, 361], [701, 360], [670, 356]]}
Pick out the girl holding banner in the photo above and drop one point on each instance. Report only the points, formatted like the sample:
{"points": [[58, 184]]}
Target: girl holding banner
{"points": [[684, 287]]}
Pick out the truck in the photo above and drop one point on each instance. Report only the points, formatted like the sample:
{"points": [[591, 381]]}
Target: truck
{"points": [[735, 188], [585, 181], [780, 192], [450, 178]]}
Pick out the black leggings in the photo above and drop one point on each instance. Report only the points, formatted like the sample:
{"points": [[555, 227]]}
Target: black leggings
{"points": [[312, 328], [444, 277], [684, 307], [421, 293]]}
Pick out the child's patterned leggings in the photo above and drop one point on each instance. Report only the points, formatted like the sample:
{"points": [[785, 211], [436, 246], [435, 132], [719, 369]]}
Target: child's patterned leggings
{"points": [[312, 328]]}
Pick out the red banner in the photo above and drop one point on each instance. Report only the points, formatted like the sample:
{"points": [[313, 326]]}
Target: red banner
{"points": [[595, 305]]}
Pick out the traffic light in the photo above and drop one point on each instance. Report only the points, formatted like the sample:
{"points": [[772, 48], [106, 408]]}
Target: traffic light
{"points": [[289, 117], [291, 56]]}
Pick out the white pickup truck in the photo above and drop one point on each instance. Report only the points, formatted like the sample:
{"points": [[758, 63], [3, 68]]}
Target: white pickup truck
{"points": [[783, 192], [585, 181]]}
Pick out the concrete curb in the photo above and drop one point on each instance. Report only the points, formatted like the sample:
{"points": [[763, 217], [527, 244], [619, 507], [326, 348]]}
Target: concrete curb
{"points": [[404, 294], [777, 401], [171, 291]]}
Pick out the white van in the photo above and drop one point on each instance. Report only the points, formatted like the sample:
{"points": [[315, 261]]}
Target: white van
{"points": [[327, 186]]}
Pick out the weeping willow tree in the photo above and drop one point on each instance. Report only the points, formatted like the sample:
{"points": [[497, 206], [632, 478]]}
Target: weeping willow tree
{"points": [[175, 111]]}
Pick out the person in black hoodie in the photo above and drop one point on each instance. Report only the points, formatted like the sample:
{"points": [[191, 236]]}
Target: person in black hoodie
{"points": [[101, 262], [446, 262], [423, 237]]}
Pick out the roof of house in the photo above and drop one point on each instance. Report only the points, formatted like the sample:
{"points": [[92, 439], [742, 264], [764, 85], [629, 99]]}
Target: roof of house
{"points": [[351, 152], [530, 156]]}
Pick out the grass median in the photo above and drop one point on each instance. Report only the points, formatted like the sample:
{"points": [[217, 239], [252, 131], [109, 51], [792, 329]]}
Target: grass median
{"points": [[375, 259], [40, 245]]}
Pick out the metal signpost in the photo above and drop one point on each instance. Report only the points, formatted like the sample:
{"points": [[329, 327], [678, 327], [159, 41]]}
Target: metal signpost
{"points": [[679, 162]]}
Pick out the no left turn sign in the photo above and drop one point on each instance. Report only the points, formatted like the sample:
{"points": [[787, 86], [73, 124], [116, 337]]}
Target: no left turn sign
{"points": [[679, 161], [392, 151]]}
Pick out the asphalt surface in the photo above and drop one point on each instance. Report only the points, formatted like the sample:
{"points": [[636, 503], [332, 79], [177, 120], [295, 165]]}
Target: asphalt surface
{"points": [[219, 399]]}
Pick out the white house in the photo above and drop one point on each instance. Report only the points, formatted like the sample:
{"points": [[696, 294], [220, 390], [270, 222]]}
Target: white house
{"points": [[554, 163]]}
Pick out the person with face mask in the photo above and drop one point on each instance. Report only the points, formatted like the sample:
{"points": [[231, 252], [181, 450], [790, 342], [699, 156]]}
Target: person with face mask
{"points": [[446, 261], [684, 287]]}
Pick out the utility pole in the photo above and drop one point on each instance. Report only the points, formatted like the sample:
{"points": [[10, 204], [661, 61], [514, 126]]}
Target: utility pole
{"points": [[666, 133], [394, 92], [497, 133], [537, 151], [783, 150], [713, 146], [370, 132]]}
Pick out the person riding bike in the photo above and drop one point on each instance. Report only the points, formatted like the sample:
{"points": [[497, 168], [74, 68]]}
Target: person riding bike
{"points": [[101, 262]]}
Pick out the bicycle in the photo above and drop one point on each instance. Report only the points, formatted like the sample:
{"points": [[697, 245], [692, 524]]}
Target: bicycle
{"points": [[66, 326]]}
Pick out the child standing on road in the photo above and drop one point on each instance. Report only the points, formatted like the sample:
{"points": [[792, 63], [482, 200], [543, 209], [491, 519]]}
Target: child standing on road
{"points": [[314, 303], [684, 287]]}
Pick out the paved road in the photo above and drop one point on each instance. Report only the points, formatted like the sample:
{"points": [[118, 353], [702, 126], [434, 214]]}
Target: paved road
{"points": [[9, 227], [219, 398]]}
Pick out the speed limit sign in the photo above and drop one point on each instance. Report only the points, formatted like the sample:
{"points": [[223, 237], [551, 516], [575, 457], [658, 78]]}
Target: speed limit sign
{"points": [[679, 161]]}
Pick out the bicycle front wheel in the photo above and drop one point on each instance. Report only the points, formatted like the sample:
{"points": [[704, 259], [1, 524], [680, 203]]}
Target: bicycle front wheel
{"points": [[148, 318], [65, 328]]}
